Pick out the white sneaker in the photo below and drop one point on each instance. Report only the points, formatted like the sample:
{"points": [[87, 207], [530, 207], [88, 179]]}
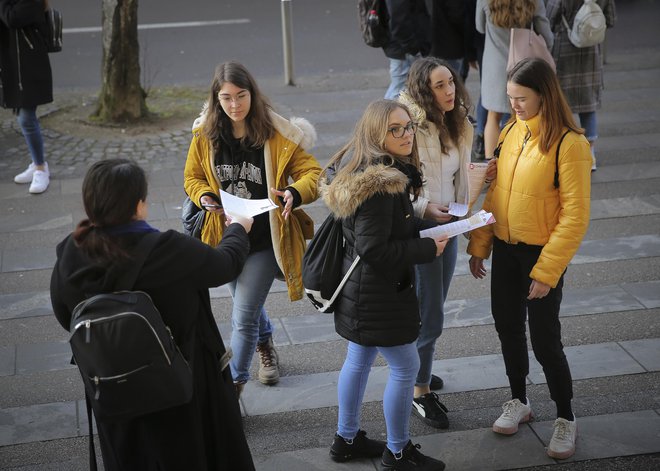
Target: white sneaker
{"points": [[562, 443], [515, 412], [26, 175], [40, 181], [593, 163]]}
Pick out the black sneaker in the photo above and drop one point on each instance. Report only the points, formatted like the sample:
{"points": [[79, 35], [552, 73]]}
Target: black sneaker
{"points": [[410, 459], [359, 447], [436, 383], [429, 408]]}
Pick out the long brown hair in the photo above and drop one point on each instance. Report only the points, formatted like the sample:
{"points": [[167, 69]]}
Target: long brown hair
{"points": [[512, 13], [555, 113], [111, 191], [367, 144], [451, 125], [258, 125]]}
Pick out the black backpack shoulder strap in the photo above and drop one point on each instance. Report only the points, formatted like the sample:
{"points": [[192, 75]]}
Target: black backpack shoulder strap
{"points": [[496, 152], [556, 181], [142, 251]]}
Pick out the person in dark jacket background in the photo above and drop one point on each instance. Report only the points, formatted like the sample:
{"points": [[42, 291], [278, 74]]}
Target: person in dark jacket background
{"points": [[377, 174], [409, 39], [26, 79], [207, 432]]}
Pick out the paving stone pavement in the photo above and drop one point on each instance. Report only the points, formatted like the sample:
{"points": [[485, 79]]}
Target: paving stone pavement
{"points": [[610, 314]]}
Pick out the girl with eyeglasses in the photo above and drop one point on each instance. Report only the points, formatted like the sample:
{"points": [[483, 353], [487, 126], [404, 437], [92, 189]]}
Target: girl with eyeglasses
{"points": [[240, 145], [369, 185]]}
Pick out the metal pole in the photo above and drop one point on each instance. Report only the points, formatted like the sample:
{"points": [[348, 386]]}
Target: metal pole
{"points": [[287, 42]]}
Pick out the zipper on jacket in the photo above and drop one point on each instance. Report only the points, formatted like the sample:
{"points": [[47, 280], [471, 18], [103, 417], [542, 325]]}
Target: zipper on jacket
{"points": [[26, 39], [528, 135], [18, 62]]}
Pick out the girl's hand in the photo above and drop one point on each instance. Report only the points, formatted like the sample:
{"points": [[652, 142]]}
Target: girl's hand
{"points": [[242, 220], [491, 170], [438, 213], [287, 197], [538, 290], [440, 244], [477, 267], [211, 205]]}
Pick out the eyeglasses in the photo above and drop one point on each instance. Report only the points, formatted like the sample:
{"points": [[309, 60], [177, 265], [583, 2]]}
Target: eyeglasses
{"points": [[234, 99], [399, 131]]}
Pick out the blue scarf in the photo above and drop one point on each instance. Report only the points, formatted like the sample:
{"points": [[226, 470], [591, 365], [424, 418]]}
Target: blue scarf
{"points": [[131, 227]]}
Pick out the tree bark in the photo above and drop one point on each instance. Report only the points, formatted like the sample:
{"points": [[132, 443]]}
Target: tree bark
{"points": [[122, 97]]}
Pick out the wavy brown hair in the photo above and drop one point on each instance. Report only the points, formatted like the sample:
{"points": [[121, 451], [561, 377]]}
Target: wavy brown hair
{"points": [[451, 125], [258, 125], [555, 113], [512, 13], [367, 144]]}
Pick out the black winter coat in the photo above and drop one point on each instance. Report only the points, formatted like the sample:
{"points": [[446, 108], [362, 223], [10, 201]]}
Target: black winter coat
{"points": [[409, 29], [207, 433], [448, 24], [25, 75], [378, 305]]}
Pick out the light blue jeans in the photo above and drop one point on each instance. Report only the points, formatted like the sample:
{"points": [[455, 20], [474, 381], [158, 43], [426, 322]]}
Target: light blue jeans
{"points": [[590, 124], [433, 281], [250, 323], [398, 74], [403, 362], [29, 123]]}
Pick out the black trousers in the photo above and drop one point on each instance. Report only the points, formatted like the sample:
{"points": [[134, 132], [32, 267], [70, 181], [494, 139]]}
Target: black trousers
{"points": [[510, 283]]}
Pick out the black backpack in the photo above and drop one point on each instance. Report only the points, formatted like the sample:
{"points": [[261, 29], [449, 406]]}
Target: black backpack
{"points": [[127, 357], [374, 19], [53, 30], [322, 267]]}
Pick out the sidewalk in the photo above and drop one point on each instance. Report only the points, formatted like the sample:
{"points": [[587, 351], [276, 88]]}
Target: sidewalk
{"points": [[610, 314]]}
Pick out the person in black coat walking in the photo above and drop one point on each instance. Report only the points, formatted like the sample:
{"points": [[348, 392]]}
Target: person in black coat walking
{"points": [[207, 432], [25, 79], [377, 174]]}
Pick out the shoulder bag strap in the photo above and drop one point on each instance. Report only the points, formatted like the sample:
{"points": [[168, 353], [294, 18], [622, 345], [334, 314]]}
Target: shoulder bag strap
{"points": [[142, 251], [496, 152], [556, 181]]}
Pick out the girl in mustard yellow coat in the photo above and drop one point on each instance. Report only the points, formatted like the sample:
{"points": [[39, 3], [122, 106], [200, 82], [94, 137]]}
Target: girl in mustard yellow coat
{"points": [[540, 200], [240, 145]]}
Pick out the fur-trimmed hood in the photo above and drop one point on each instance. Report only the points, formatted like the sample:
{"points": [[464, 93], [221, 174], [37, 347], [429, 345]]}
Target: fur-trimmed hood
{"points": [[345, 193], [297, 129], [417, 113]]}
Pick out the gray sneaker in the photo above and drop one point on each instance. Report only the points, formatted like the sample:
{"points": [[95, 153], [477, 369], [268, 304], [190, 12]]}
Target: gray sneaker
{"points": [[269, 371]]}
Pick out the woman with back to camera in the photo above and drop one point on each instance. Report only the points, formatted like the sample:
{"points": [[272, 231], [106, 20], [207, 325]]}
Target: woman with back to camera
{"points": [[207, 432], [495, 18], [240, 145], [540, 201], [439, 104], [369, 184]]}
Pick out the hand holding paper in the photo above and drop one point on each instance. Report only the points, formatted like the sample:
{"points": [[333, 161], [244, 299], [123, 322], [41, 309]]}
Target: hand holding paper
{"points": [[244, 207], [452, 229]]}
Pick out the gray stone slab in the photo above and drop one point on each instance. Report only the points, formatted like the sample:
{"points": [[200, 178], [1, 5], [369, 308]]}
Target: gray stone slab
{"points": [[648, 293], [38, 423], [7, 360], [37, 357], [591, 361], [645, 351], [309, 459], [625, 207], [13, 306], [310, 328], [598, 300], [621, 248], [83, 422], [606, 436], [628, 172], [471, 373], [32, 258], [467, 312]]}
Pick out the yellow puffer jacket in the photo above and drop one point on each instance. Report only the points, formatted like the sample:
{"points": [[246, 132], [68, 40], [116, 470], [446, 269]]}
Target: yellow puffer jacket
{"points": [[529, 209], [288, 161]]}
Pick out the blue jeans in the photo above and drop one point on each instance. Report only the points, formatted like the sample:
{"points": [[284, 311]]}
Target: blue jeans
{"points": [[250, 323], [29, 123], [403, 362], [589, 123], [398, 74], [482, 115], [433, 281]]}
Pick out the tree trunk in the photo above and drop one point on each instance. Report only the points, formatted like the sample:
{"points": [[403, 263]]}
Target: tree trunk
{"points": [[122, 97]]}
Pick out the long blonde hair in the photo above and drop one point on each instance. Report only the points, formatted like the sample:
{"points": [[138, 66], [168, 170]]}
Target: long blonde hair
{"points": [[512, 13], [367, 144]]}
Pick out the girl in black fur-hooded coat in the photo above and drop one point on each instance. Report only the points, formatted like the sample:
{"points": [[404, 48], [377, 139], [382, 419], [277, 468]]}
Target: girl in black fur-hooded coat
{"points": [[369, 186]]}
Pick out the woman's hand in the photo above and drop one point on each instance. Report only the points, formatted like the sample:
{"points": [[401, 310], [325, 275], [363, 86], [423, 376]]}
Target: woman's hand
{"points": [[440, 244], [287, 198], [242, 220], [491, 170], [538, 290], [211, 205], [477, 267], [438, 213]]}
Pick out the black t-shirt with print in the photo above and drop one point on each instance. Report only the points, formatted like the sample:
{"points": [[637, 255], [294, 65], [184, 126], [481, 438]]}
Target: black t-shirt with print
{"points": [[241, 170]]}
